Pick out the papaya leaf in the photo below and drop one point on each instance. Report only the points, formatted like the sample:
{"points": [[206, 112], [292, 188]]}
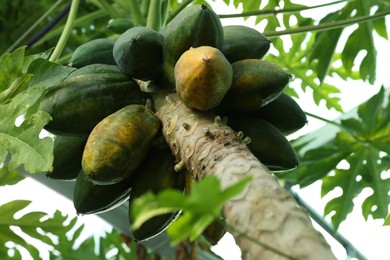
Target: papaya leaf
{"points": [[296, 63], [387, 221], [9, 177], [20, 122], [200, 207], [354, 159], [35, 225]]}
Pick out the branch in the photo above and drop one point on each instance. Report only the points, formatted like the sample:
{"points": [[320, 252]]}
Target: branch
{"points": [[264, 211], [328, 26], [275, 12], [66, 32]]}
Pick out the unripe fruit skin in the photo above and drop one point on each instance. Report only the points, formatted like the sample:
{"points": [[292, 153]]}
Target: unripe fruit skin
{"points": [[255, 84], [203, 76]]}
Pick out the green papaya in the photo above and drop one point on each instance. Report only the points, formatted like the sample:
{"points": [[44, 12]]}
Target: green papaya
{"points": [[138, 53], [267, 143], [79, 103], [95, 69], [241, 42], [119, 25], [255, 83], [195, 26], [118, 144], [94, 51], [90, 198], [155, 174], [284, 113], [67, 153], [214, 231]]}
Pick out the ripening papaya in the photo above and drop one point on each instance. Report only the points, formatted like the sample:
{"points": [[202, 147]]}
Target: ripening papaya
{"points": [[77, 104], [118, 144], [94, 51], [203, 76], [241, 42], [67, 154], [155, 174], [255, 83], [195, 26], [267, 143], [284, 113], [90, 198], [138, 53]]}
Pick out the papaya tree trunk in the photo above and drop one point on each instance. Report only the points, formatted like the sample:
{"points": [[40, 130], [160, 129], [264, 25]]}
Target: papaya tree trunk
{"points": [[270, 225]]}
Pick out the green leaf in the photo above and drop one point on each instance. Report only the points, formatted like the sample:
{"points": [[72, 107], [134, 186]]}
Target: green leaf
{"points": [[20, 122], [8, 177], [200, 207], [387, 221], [32, 224], [353, 160]]}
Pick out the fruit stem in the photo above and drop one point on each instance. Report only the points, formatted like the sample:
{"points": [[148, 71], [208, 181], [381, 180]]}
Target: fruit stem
{"points": [[154, 15], [136, 14], [66, 32], [327, 26], [109, 9], [274, 11], [326, 121]]}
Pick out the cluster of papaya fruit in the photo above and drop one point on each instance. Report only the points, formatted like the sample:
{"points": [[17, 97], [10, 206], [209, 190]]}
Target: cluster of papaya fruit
{"points": [[106, 136]]}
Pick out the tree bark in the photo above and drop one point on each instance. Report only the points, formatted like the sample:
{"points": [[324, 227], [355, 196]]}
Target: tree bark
{"points": [[270, 224]]}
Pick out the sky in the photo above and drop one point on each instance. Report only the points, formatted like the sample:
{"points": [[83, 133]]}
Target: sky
{"points": [[370, 237]]}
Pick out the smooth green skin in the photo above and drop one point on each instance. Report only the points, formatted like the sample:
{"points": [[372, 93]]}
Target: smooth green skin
{"points": [[68, 151], [89, 198], [118, 144], [255, 84], [241, 42], [79, 103], [95, 69], [119, 25], [283, 113], [268, 144], [155, 174], [138, 53], [94, 51], [195, 26]]}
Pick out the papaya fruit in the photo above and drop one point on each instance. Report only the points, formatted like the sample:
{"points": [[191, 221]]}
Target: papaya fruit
{"points": [[118, 144], [119, 25], [155, 174], [94, 51], [95, 69], [267, 143], [241, 42], [214, 231], [255, 83], [138, 53], [79, 103], [284, 113], [203, 76], [67, 153], [194, 26], [90, 198]]}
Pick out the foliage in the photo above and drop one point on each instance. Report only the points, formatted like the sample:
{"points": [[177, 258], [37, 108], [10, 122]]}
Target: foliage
{"points": [[353, 160], [20, 122], [201, 207]]}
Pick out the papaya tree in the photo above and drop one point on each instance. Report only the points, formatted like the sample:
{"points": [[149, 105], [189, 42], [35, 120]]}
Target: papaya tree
{"points": [[186, 103]]}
